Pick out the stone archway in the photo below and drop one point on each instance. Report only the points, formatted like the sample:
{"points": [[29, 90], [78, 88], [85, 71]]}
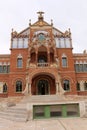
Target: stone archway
{"points": [[43, 84], [54, 81]]}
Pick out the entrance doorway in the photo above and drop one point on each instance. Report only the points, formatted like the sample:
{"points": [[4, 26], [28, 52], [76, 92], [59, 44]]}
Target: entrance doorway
{"points": [[43, 87]]}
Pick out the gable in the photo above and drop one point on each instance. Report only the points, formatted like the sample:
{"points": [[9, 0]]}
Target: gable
{"points": [[40, 23]]}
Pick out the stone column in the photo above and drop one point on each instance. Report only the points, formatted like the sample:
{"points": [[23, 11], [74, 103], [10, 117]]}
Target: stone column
{"points": [[28, 86], [36, 57], [61, 90], [36, 50], [82, 108], [81, 86], [29, 89], [57, 87], [28, 63], [48, 57], [25, 92]]}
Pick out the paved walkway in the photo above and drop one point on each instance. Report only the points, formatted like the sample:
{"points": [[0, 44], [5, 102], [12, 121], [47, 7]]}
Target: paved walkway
{"points": [[50, 124]]}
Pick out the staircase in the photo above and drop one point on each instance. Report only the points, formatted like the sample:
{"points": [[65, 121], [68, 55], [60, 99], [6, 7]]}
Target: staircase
{"points": [[42, 98], [19, 112], [14, 114]]}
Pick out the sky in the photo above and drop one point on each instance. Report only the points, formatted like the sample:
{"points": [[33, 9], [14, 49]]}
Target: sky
{"points": [[65, 14]]}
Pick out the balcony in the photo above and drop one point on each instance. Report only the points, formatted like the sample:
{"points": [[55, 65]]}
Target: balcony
{"points": [[42, 64]]}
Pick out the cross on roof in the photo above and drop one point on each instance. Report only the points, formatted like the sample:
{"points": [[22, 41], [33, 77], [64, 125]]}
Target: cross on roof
{"points": [[40, 13]]}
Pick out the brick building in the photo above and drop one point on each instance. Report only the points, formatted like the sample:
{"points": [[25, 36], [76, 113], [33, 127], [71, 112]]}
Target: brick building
{"points": [[41, 62]]}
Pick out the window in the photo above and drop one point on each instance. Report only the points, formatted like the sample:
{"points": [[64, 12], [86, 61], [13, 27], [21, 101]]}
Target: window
{"points": [[62, 40], [18, 86], [77, 67], [41, 37], [8, 69], [66, 85], [57, 43], [85, 68], [4, 69], [1, 69], [26, 43], [68, 44], [4, 88], [64, 61], [39, 111], [85, 85], [81, 67], [20, 43], [14, 43], [78, 86], [19, 62]]}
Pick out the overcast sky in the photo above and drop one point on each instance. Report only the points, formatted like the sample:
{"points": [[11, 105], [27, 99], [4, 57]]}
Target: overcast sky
{"points": [[65, 14]]}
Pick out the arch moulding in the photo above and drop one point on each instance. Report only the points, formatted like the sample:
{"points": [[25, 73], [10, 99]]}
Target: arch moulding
{"points": [[45, 72]]}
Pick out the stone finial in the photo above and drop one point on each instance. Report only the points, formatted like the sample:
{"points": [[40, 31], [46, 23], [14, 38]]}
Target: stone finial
{"points": [[69, 31], [52, 22], [12, 30], [29, 22], [40, 17]]}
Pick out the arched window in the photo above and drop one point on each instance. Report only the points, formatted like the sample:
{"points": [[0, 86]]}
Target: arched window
{"points": [[78, 86], [64, 60], [19, 62], [5, 88], [85, 85], [19, 86], [66, 85]]}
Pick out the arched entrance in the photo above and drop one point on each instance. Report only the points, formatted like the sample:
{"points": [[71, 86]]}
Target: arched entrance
{"points": [[42, 87]]}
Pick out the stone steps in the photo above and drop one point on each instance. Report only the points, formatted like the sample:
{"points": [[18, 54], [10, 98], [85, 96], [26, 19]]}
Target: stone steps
{"points": [[14, 114], [19, 112], [42, 98]]}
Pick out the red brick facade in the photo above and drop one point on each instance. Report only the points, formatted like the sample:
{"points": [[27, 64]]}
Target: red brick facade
{"points": [[42, 62]]}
